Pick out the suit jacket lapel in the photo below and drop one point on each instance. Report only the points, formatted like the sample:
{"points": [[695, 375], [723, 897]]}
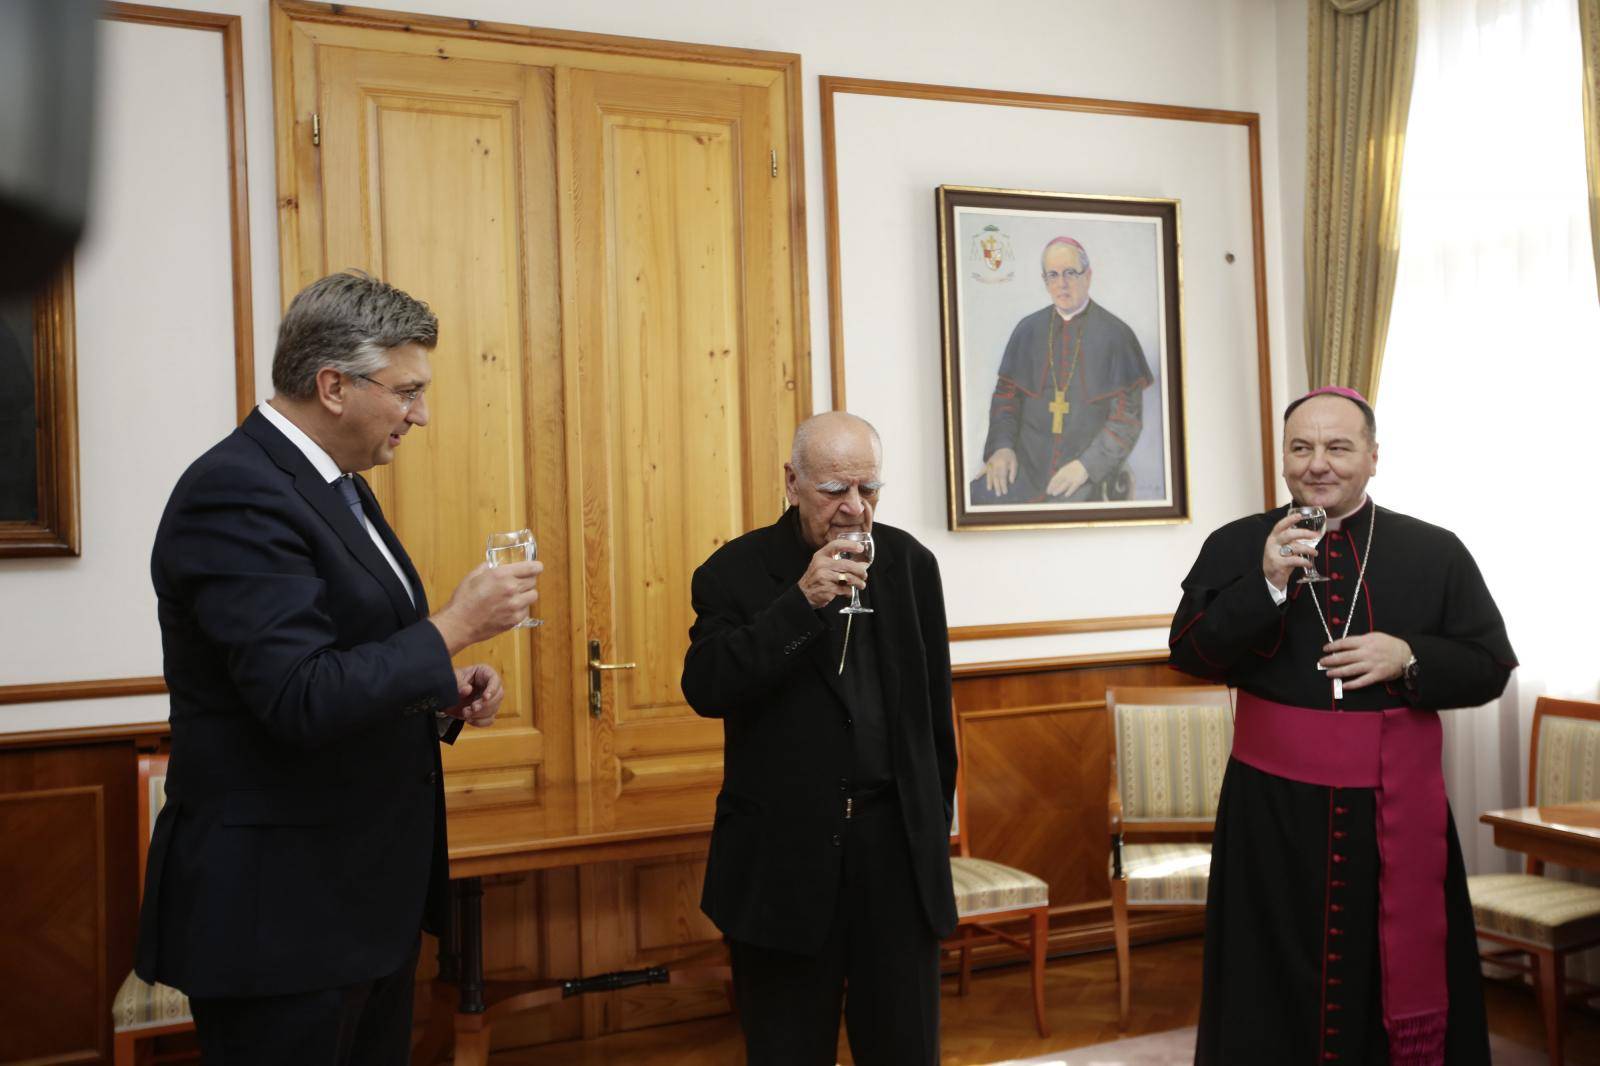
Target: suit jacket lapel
{"points": [[892, 610], [327, 502], [370, 502], [787, 556]]}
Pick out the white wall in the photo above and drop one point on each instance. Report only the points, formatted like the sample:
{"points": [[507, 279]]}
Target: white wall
{"points": [[94, 617]]}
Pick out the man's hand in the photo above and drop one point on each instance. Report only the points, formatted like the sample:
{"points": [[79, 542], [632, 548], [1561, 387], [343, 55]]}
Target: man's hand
{"points": [[828, 577], [1068, 479], [1366, 660], [480, 695], [489, 601], [1277, 566], [1000, 471]]}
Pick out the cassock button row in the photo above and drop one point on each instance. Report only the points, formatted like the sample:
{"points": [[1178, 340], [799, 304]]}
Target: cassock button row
{"points": [[1338, 884], [1335, 621], [1336, 598], [1336, 908], [1332, 1030], [1341, 810], [1334, 1006], [1335, 957], [1339, 834], [1338, 858]]}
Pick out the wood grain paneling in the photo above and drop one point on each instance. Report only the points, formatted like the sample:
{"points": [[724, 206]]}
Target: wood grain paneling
{"points": [[1036, 749], [68, 861]]}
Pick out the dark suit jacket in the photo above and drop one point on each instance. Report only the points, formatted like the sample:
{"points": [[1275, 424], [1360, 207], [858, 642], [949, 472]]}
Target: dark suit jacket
{"points": [[755, 660], [304, 827]]}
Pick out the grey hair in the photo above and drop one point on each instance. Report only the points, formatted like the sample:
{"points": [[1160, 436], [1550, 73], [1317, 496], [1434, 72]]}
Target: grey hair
{"points": [[806, 431], [346, 321]]}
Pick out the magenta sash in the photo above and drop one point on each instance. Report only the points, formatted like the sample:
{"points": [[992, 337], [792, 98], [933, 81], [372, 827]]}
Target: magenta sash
{"points": [[1396, 752]]}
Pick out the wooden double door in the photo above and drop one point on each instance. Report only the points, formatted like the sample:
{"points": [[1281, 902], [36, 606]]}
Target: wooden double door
{"points": [[609, 231]]}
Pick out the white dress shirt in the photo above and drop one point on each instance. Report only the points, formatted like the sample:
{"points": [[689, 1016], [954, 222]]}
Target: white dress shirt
{"points": [[330, 472]]}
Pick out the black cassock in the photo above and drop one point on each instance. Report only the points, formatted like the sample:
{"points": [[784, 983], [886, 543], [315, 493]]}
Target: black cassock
{"points": [[1292, 968]]}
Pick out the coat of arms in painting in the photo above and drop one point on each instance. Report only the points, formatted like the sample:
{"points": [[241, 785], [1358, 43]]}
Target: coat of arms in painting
{"points": [[991, 256]]}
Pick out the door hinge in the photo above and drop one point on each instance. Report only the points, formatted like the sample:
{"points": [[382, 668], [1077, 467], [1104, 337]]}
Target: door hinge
{"points": [[316, 130], [774, 162]]}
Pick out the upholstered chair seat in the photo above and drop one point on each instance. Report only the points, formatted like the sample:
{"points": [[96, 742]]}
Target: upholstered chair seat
{"points": [[142, 1006], [1540, 910], [1167, 874], [984, 887]]}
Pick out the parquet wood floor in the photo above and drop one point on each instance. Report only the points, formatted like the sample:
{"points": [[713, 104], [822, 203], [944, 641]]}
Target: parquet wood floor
{"points": [[995, 1023]]}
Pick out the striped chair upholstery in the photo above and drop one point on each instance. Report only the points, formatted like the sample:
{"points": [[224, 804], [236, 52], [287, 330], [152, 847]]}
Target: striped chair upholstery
{"points": [[1170, 761], [1539, 910], [1166, 873], [1569, 761], [984, 887], [139, 1005]]}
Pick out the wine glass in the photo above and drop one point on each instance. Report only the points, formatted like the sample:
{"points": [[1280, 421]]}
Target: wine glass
{"points": [[1314, 520], [513, 547], [863, 553]]}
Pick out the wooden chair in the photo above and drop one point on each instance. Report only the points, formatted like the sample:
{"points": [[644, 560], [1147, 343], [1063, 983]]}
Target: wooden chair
{"points": [[1542, 920], [143, 1012], [989, 893], [1171, 748]]}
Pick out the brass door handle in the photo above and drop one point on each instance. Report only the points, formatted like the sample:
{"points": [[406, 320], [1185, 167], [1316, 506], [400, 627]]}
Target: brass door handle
{"points": [[597, 670]]}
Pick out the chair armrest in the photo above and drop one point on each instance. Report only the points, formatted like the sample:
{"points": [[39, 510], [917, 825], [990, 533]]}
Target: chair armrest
{"points": [[1114, 811], [1116, 856]]}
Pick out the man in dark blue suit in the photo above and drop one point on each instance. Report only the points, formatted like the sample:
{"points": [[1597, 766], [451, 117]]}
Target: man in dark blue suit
{"points": [[301, 850]]}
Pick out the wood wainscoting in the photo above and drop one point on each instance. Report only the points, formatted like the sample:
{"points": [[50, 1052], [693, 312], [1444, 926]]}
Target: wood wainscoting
{"points": [[1036, 751], [1036, 757], [69, 864]]}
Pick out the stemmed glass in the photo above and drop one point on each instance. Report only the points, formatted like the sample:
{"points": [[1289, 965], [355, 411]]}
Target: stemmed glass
{"points": [[863, 554], [1314, 520], [513, 547]]}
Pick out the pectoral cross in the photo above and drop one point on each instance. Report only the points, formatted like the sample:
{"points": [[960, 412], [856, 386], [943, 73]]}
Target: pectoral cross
{"points": [[1059, 408], [1338, 683]]}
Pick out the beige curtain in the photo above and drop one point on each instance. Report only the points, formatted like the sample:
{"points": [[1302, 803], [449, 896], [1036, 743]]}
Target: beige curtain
{"points": [[1362, 58], [1589, 29]]}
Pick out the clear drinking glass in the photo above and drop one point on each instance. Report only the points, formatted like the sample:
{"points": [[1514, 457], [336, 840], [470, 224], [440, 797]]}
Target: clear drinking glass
{"points": [[862, 554], [1314, 520], [514, 547]]}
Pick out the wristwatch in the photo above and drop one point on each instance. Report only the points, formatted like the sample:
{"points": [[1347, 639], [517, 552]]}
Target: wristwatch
{"points": [[1409, 672]]}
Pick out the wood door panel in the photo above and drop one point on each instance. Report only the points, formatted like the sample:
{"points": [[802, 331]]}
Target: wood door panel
{"points": [[427, 175], [683, 348]]}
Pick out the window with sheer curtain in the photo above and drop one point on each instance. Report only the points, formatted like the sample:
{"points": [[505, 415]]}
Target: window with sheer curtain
{"points": [[1489, 401]]}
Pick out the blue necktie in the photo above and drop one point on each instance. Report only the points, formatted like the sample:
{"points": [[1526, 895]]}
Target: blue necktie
{"points": [[347, 489]]}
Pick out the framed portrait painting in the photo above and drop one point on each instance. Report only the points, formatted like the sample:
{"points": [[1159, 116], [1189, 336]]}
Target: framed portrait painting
{"points": [[1063, 359], [39, 422]]}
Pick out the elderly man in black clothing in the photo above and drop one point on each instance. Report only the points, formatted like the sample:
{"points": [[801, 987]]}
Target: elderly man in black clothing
{"points": [[829, 859]]}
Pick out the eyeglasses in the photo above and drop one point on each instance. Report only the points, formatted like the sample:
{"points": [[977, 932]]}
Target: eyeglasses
{"points": [[1051, 277], [408, 397]]}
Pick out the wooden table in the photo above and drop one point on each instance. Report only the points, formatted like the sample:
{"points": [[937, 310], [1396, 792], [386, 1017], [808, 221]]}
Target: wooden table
{"points": [[560, 830], [1566, 833]]}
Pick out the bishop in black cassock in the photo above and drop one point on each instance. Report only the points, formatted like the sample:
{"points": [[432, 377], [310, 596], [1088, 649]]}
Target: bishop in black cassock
{"points": [[1293, 957]]}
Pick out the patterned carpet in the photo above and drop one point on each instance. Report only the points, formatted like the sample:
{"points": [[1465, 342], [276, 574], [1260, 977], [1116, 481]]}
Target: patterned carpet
{"points": [[1177, 1049]]}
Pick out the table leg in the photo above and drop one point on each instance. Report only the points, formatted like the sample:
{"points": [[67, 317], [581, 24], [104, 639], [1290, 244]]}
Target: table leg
{"points": [[471, 946], [450, 939]]}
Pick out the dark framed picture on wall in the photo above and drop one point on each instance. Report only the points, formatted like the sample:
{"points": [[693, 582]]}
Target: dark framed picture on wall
{"points": [[1063, 358], [39, 422]]}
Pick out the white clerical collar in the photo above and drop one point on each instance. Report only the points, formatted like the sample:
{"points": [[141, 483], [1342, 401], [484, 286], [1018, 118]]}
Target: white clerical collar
{"points": [[1337, 523], [311, 449], [1066, 317]]}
